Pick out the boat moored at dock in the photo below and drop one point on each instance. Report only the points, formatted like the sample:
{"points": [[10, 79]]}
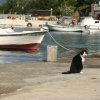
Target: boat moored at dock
{"points": [[28, 41], [68, 28]]}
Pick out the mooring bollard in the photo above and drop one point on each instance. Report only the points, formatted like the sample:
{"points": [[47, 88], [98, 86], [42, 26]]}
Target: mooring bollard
{"points": [[51, 53]]}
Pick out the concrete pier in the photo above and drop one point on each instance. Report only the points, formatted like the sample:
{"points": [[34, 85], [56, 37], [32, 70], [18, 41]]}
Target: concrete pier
{"points": [[44, 81]]}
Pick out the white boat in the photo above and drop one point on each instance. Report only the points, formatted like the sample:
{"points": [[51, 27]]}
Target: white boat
{"points": [[93, 29], [91, 24], [69, 28], [25, 40], [90, 21]]}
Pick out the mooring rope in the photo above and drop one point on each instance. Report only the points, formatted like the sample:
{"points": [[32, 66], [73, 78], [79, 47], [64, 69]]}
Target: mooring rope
{"points": [[65, 47], [58, 42]]}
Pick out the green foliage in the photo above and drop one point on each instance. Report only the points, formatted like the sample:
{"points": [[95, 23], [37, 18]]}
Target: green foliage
{"points": [[60, 7]]}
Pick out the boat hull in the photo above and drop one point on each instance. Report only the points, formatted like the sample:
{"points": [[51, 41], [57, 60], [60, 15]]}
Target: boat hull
{"points": [[26, 47], [29, 42], [94, 31], [64, 28]]}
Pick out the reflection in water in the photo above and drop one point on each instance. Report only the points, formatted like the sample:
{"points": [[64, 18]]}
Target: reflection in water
{"points": [[72, 40], [9, 57]]}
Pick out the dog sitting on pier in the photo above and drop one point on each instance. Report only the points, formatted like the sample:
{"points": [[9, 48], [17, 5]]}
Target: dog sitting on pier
{"points": [[77, 63]]}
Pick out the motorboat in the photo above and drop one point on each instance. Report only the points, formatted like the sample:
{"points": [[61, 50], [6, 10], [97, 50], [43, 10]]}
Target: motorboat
{"points": [[24, 40], [91, 24], [88, 21], [68, 28]]}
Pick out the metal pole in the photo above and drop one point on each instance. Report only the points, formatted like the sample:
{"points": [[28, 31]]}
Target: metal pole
{"points": [[51, 11]]}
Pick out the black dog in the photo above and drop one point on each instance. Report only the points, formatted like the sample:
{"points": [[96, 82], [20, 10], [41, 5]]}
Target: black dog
{"points": [[77, 63]]}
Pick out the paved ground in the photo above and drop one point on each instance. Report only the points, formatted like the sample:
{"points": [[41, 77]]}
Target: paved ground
{"points": [[44, 81]]}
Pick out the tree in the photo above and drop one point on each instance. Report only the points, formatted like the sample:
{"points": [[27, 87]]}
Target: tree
{"points": [[64, 7]]}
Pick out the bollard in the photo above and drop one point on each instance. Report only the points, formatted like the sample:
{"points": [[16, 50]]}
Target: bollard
{"points": [[51, 53]]}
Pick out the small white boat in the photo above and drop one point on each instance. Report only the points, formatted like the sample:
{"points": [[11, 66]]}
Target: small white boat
{"points": [[69, 28], [91, 24], [93, 29], [24, 40], [89, 21]]}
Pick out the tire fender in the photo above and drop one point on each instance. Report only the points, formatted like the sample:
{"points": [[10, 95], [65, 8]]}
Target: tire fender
{"points": [[29, 25]]}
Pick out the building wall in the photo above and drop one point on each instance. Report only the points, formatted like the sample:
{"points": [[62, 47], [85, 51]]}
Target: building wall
{"points": [[95, 10]]}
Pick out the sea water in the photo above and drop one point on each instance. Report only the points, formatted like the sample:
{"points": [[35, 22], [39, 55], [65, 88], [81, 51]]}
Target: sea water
{"points": [[72, 41]]}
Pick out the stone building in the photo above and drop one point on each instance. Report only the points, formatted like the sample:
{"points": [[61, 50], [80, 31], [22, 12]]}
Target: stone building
{"points": [[95, 10]]}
